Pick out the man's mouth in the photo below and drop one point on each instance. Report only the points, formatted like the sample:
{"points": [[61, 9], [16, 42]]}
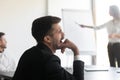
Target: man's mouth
{"points": [[61, 41]]}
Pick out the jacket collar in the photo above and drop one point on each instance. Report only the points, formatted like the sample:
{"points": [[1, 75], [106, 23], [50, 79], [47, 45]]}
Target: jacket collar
{"points": [[44, 47]]}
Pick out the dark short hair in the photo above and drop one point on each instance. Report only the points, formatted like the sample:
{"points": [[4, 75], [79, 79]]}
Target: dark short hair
{"points": [[42, 25], [1, 34]]}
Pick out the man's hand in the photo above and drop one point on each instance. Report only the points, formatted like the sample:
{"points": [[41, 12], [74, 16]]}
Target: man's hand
{"points": [[68, 44]]}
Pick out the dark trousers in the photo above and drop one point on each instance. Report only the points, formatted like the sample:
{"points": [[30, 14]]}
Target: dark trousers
{"points": [[114, 54]]}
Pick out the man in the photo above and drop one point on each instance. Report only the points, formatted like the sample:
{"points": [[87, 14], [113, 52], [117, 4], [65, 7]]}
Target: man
{"points": [[6, 63], [39, 62]]}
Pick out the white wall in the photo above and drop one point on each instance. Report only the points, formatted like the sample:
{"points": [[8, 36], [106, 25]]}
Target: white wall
{"points": [[16, 17]]}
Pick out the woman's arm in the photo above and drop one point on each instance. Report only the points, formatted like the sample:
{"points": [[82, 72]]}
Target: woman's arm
{"points": [[114, 35], [86, 26]]}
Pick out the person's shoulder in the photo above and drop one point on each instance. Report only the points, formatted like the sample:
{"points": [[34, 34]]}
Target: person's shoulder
{"points": [[28, 52], [29, 49], [10, 60], [6, 55], [108, 22]]}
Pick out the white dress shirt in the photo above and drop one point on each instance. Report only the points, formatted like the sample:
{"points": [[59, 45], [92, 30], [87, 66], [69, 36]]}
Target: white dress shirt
{"points": [[6, 63], [113, 26]]}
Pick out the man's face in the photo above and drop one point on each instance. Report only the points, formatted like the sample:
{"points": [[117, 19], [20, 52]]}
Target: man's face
{"points": [[3, 42], [57, 36]]}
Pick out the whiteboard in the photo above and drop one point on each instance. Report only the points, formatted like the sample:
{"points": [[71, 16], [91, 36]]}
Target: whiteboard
{"points": [[84, 38]]}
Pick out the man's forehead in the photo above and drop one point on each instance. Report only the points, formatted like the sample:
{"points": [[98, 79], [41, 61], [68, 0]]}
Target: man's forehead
{"points": [[3, 37], [56, 26]]}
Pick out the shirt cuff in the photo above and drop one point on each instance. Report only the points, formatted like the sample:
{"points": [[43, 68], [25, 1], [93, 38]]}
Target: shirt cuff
{"points": [[77, 57]]}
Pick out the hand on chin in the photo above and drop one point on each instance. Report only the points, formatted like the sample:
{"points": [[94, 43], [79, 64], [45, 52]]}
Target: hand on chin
{"points": [[62, 47]]}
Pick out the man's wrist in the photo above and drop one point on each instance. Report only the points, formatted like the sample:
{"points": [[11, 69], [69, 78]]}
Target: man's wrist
{"points": [[77, 57]]}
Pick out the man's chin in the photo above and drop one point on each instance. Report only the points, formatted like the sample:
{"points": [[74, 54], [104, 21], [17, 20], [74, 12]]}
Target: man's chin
{"points": [[59, 46], [4, 47]]}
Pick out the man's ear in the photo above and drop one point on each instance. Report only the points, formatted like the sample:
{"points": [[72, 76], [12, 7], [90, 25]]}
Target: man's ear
{"points": [[47, 39]]}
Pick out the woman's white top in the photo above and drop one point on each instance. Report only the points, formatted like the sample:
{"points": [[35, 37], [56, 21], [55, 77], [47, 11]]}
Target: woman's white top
{"points": [[113, 26]]}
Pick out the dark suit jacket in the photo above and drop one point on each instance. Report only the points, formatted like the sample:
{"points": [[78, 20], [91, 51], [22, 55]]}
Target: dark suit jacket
{"points": [[39, 63]]}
